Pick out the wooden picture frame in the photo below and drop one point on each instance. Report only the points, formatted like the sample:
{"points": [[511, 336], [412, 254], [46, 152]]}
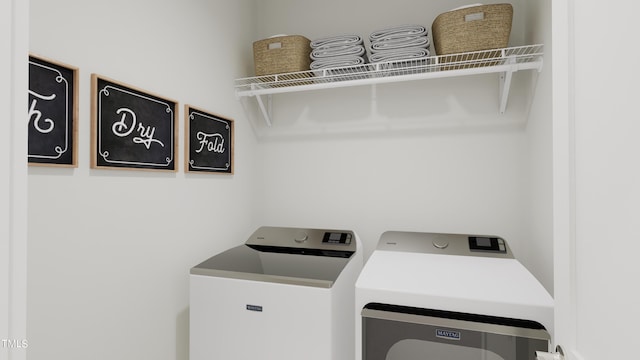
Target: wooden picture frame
{"points": [[53, 113], [132, 128], [209, 142]]}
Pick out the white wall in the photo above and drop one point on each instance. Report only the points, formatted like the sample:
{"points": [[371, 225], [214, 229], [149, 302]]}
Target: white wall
{"points": [[607, 183], [358, 16], [596, 177], [539, 258], [443, 182], [425, 156], [108, 260], [120, 291], [14, 32]]}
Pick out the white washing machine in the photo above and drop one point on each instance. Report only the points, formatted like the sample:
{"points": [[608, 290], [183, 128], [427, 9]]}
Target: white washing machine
{"points": [[449, 297], [286, 293]]}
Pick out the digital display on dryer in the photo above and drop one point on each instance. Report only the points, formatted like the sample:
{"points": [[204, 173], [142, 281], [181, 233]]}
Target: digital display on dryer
{"points": [[339, 238], [485, 243]]}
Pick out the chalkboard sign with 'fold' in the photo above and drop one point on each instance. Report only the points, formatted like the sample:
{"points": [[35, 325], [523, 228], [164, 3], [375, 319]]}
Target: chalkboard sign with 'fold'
{"points": [[209, 142], [131, 128]]}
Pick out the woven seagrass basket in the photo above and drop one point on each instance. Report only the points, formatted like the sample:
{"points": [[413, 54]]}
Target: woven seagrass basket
{"points": [[282, 54], [474, 28]]}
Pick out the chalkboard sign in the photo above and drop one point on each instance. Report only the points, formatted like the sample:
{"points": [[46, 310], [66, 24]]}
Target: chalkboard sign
{"points": [[209, 142], [53, 112], [131, 128]]}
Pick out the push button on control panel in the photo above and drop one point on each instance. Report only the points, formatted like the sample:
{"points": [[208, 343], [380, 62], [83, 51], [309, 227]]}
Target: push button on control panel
{"points": [[301, 237], [440, 244], [501, 245]]}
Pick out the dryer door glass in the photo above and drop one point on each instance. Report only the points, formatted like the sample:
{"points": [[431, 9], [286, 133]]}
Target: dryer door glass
{"points": [[401, 333], [413, 349]]}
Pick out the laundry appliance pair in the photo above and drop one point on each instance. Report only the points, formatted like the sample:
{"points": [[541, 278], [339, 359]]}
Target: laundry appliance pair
{"points": [[296, 293]]}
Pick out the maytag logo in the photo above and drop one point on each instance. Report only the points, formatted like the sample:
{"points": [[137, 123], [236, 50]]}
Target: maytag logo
{"points": [[257, 308], [448, 334]]}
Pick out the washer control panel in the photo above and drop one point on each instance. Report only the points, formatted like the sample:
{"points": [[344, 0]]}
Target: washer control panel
{"points": [[303, 238]]}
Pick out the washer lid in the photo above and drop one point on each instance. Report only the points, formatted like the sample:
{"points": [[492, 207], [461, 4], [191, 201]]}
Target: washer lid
{"points": [[308, 257]]}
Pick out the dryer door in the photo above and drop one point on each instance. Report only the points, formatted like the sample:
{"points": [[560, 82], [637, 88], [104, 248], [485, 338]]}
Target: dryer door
{"points": [[393, 332]]}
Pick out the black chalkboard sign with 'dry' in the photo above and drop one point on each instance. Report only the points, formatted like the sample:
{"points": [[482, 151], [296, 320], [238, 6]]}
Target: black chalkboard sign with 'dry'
{"points": [[131, 128], [53, 113], [209, 142]]}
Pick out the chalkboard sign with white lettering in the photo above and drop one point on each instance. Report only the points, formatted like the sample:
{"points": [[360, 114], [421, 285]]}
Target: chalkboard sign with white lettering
{"points": [[131, 128], [53, 112], [209, 142]]}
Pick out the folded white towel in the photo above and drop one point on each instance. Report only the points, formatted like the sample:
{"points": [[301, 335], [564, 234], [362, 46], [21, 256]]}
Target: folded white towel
{"points": [[331, 51], [399, 42], [403, 30], [338, 61], [399, 54], [337, 40]]}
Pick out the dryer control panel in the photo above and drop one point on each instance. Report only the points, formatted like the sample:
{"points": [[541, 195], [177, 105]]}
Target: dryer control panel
{"points": [[446, 244]]}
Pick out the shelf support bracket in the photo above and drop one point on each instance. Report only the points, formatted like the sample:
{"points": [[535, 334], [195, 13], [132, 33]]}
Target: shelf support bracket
{"points": [[265, 109], [505, 85]]}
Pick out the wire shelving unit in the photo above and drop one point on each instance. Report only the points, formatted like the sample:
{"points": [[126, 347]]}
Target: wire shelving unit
{"points": [[504, 62]]}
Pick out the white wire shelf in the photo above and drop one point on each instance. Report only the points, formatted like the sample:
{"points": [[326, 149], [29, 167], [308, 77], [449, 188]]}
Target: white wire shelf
{"points": [[504, 61]]}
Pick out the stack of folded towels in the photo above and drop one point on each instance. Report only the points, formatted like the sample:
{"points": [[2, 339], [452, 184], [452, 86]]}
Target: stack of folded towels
{"points": [[337, 51], [407, 42]]}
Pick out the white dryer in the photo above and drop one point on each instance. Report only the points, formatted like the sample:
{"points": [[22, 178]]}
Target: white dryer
{"points": [[447, 296], [286, 293]]}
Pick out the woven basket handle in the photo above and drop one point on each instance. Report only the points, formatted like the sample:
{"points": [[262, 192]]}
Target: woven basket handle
{"points": [[474, 16], [274, 45]]}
